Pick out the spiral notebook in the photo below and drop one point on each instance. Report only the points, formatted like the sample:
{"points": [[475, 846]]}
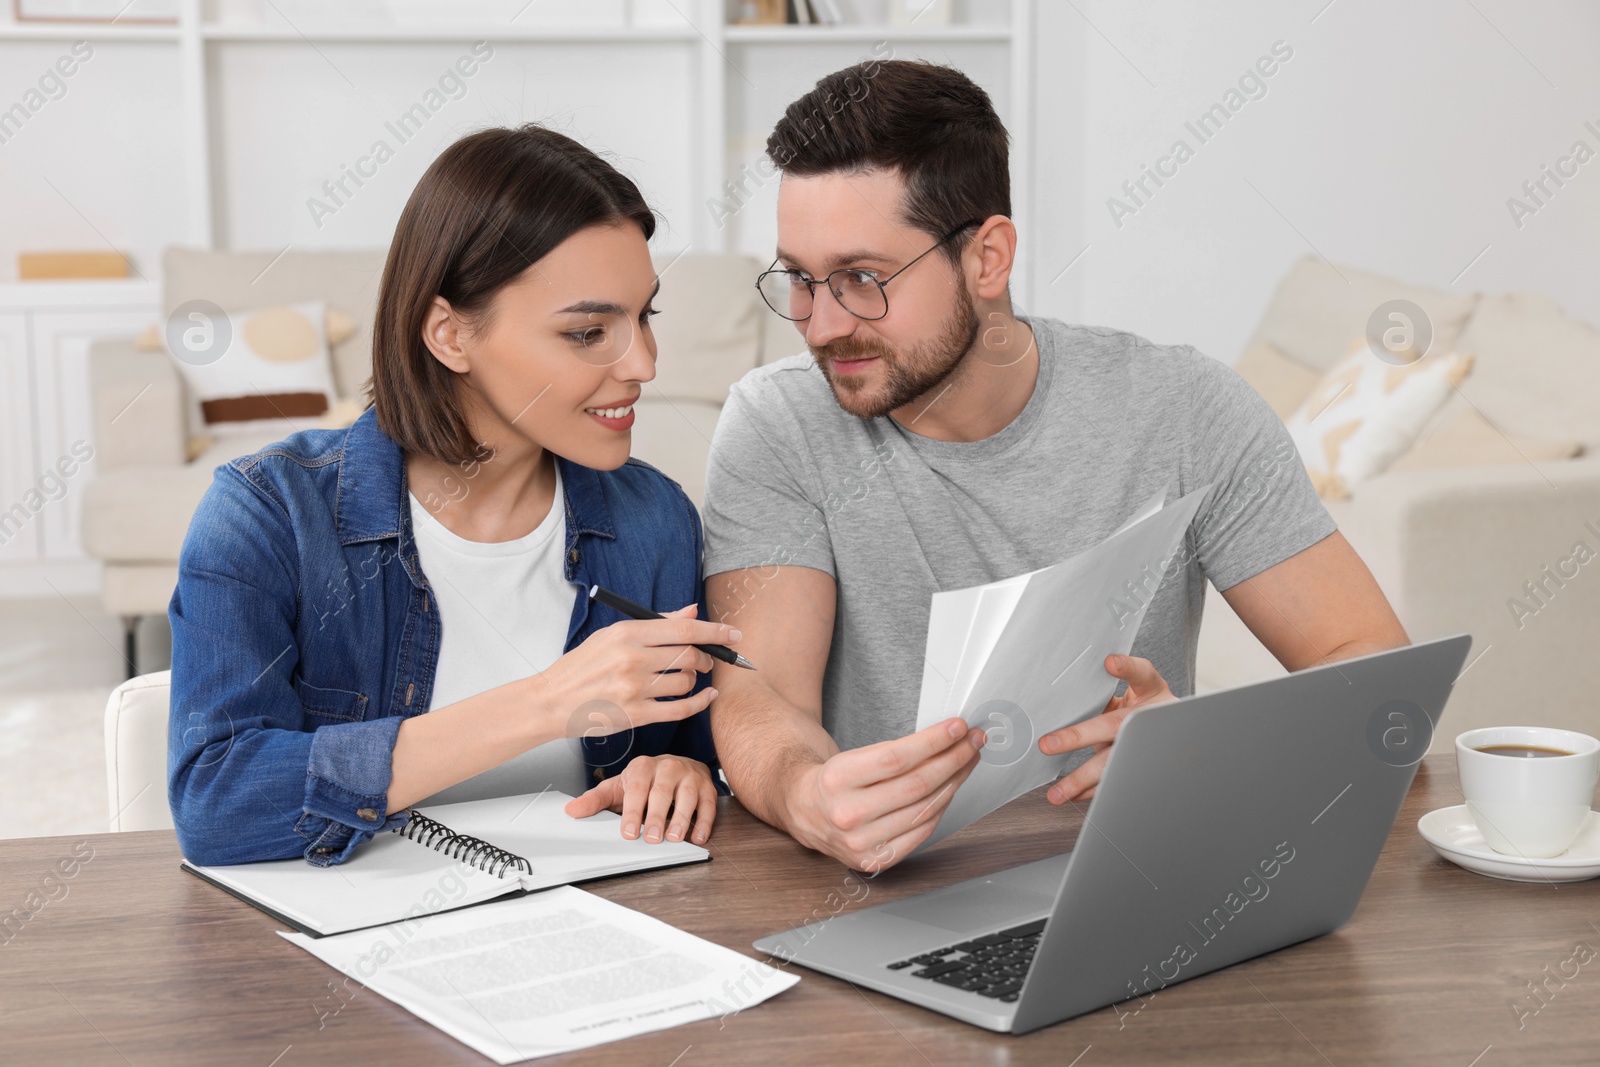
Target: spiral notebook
{"points": [[452, 856]]}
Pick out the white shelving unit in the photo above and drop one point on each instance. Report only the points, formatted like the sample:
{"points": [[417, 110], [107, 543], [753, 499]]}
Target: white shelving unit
{"points": [[1006, 42], [46, 329], [378, 35], [202, 185], [73, 31], [814, 34], [199, 47]]}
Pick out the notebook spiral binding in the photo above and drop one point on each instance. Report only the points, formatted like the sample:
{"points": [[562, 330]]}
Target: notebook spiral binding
{"points": [[473, 851]]}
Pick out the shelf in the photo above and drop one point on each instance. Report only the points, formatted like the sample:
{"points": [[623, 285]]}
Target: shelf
{"points": [[101, 31], [203, 53], [88, 31], [77, 293], [856, 34], [411, 34]]}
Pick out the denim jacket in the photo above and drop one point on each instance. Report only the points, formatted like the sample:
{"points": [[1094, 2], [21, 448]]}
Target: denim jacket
{"points": [[304, 633]]}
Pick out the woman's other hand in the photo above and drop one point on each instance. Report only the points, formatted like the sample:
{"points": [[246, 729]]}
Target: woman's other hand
{"points": [[658, 796]]}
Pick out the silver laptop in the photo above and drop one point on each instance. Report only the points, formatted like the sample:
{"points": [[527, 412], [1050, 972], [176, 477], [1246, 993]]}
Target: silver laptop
{"points": [[1226, 826]]}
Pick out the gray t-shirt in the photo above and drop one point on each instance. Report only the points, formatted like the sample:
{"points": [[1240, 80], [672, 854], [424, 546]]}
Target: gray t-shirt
{"points": [[893, 516]]}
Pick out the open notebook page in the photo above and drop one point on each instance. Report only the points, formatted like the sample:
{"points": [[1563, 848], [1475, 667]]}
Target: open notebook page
{"points": [[560, 848], [392, 877], [386, 879]]}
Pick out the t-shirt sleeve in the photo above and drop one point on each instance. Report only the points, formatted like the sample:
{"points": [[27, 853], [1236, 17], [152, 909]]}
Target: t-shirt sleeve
{"points": [[760, 509], [1262, 508]]}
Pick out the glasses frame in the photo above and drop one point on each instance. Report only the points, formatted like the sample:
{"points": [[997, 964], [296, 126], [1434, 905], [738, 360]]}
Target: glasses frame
{"points": [[812, 283]]}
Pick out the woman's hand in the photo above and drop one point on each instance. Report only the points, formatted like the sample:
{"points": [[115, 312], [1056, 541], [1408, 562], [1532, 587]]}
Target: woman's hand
{"points": [[653, 787], [627, 665]]}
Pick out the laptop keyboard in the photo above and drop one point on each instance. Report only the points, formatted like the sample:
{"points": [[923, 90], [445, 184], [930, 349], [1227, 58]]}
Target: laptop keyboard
{"points": [[993, 965]]}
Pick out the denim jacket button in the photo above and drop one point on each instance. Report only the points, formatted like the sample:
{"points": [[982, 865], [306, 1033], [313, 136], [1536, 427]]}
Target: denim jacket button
{"points": [[573, 555], [599, 774], [368, 814]]}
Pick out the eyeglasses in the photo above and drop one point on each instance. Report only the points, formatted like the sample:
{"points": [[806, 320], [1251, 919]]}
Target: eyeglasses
{"points": [[791, 294]]}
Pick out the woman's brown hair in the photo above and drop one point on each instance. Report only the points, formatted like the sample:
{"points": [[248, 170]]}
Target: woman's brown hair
{"points": [[493, 204]]}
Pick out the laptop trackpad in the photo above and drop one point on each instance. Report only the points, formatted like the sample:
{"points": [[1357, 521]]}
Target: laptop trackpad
{"points": [[981, 906]]}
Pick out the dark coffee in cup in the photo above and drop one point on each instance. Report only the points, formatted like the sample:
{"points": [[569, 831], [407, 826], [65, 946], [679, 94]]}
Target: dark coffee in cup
{"points": [[1524, 751], [1528, 788]]}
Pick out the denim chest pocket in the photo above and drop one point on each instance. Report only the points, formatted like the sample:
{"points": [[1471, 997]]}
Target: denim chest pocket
{"points": [[323, 706]]}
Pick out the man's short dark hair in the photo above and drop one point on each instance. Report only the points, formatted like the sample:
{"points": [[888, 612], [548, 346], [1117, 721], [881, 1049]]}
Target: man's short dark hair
{"points": [[930, 123]]}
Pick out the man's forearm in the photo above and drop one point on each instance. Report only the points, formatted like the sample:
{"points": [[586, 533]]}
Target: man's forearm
{"points": [[765, 743], [1362, 646]]}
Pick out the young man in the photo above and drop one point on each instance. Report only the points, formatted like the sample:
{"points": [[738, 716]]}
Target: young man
{"points": [[933, 439]]}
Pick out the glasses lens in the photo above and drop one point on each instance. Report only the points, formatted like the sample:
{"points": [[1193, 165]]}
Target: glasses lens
{"points": [[786, 294], [859, 293]]}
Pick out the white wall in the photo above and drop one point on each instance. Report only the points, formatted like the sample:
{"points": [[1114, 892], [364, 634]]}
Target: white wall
{"points": [[286, 116], [1391, 140], [1057, 133], [288, 119], [97, 165]]}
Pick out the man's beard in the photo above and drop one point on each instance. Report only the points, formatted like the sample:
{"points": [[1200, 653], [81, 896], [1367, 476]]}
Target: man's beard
{"points": [[907, 375]]}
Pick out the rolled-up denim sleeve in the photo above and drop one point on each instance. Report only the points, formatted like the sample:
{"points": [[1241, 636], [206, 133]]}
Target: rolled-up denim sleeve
{"points": [[251, 774]]}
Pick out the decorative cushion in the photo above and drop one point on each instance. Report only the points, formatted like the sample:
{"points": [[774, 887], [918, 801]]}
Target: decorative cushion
{"points": [[1462, 437], [1282, 383], [275, 374], [238, 281], [336, 326], [1538, 369], [1316, 305], [1366, 412]]}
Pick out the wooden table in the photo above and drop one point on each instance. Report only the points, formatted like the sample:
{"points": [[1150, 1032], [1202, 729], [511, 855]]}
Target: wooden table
{"points": [[135, 962]]}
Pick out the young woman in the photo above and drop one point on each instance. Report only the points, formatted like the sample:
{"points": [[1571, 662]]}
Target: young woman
{"points": [[374, 618]]}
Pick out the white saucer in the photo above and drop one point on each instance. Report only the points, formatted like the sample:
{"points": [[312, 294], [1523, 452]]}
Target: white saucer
{"points": [[1454, 835]]}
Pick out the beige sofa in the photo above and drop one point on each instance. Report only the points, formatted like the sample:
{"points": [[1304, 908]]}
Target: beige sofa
{"points": [[713, 329], [1452, 545]]}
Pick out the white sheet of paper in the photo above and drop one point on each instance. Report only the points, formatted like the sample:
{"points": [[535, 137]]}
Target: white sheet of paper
{"points": [[962, 631], [963, 628], [1043, 668], [548, 973]]}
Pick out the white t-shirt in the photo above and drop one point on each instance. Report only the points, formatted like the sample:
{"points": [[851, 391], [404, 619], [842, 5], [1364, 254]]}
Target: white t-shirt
{"points": [[504, 608]]}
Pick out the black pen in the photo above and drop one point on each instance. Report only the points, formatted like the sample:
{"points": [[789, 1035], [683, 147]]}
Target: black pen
{"points": [[634, 611]]}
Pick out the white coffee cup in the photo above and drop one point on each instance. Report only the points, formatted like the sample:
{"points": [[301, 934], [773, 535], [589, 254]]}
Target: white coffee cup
{"points": [[1529, 807]]}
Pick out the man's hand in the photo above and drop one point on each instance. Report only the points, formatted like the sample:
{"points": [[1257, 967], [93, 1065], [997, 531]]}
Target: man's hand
{"points": [[650, 787], [1145, 686], [870, 807]]}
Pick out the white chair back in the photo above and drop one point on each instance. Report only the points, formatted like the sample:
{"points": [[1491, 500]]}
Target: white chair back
{"points": [[136, 753]]}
